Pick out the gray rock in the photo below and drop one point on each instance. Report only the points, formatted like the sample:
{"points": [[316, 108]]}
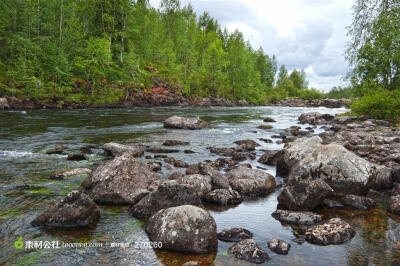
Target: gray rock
{"points": [[168, 194], [248, 250], [315, 118], [176, 162], [161, 150], [330, 203], [218, 180], [178, 122], [4, 103], [269, 157], [201, 183], [74, 210], [359, 202], [296, 217], [342, 170], [116, 149], [186, 228], [382, 179], [304, 195], [121, 181], [251, 182], [234, 234], [154, 166], [278, 246], [60, 175], [223, 197], [335, 231], [394, 204]]}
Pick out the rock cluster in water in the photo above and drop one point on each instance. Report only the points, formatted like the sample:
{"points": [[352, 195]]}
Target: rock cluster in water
{"points": [[350, 165]]}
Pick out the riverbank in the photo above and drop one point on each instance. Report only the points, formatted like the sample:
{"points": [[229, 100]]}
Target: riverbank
{"points": [[162, 97]]}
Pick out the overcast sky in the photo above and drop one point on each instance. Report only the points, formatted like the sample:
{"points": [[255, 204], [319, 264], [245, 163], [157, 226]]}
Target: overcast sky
{"points": [[303, 34]]}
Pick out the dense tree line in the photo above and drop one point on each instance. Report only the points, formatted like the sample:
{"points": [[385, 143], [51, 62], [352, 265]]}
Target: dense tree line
{"points": [[374, 54], [102, 50]]}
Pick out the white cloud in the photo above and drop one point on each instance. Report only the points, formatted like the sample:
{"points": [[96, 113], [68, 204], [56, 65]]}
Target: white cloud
{"points": [[303, 34]]}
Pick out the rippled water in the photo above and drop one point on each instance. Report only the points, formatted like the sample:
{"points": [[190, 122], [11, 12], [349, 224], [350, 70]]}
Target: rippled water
{"points": [[24, 136]]}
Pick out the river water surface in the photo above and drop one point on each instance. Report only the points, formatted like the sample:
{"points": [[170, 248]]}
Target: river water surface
{"points": [[26, 190]]}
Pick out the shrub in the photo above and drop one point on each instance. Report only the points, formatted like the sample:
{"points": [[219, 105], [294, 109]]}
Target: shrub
{"points": [[380, 104]]}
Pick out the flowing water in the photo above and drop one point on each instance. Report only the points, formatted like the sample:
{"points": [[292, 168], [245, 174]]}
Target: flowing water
{"points": [[26, 190]]}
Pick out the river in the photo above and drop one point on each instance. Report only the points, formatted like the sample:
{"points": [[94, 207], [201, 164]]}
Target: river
{"points": [[25, 135]]}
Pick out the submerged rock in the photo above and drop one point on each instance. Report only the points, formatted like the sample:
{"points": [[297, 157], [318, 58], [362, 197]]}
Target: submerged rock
{"points": [[116, 149], [359, 202], [74, 210], [178, 122], [269, 119], [223, 197], [249, 250], [184, 228], [161, 150], [278, 246], [168, 194], [56, 150], [251, 182], [121, 181], [60, 175], [174, 142], [296, 217], [234, 234], [335, 231], [304, 195], [76, 157]]}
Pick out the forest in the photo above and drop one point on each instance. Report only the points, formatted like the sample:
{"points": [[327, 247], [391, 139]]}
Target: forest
{"points": [[100, 51]]}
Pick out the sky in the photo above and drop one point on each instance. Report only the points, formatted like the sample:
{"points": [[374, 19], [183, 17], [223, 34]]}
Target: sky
{"points": [[302, 34]]}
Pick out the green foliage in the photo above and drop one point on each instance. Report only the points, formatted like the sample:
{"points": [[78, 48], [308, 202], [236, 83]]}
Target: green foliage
{"points": [[381, 104], [100, 51]]}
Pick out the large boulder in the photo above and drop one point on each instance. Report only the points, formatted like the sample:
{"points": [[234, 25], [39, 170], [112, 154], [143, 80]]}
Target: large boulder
{"points": [[236, 234], [342, 170], [74, 210], [251, 182], [179, 122], [304, 195], [293, 152], [117, 149], [185, 228], [335, 231], [250, 251], [168, 194], [297, 217], [223, 197], [121, 181]]}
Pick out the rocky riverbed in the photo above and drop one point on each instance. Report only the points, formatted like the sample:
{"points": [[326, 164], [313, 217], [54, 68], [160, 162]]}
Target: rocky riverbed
{"points": [[276, 185]]}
